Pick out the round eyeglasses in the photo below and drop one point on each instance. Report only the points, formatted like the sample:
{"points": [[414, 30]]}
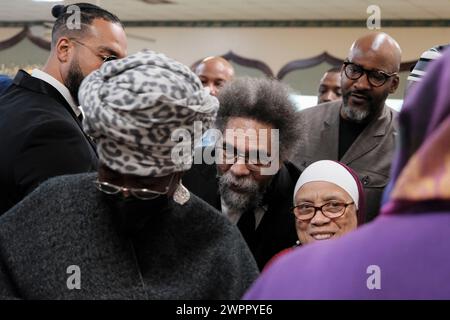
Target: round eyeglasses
{"points": [[141, 194], [376, 78], [230, 156], [333, 209]]}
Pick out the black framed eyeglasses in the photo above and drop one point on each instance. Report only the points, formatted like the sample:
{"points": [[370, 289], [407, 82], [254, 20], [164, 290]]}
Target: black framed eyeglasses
{"points": [[103, 57], [230, 156], [141, 194], [333, 209], [376, 78]]}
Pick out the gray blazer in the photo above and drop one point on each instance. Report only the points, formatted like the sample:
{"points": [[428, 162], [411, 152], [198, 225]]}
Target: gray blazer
{"points": [[370, 155]]}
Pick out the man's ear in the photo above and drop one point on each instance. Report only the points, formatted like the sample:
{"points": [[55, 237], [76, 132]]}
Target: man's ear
{"points": [[394, 84], [63, 49], [341, 69]]}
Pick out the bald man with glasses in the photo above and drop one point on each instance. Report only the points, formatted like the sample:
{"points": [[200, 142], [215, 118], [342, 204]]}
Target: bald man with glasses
{"points": [[360, 130]]}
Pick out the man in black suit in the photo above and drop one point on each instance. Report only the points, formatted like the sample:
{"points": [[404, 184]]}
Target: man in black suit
{"points": [[40, 122], [244, 175]]}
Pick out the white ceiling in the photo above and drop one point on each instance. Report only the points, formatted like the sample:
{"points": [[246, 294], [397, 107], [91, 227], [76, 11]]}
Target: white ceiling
{"points": [[127, 10]]}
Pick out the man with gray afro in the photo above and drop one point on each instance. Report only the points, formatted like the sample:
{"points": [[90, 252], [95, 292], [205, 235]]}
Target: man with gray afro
{"points": [[132, 230], [251, 178]]}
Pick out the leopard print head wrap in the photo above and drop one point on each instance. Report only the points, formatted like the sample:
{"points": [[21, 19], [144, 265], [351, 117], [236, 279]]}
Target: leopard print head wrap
{"points": [[133, 105]]}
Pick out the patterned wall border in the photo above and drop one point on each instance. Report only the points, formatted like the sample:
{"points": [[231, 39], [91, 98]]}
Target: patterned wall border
{"points": [[25, 33], [325, 57], [292, 66], [246, 62], [231, 56], [427, 23]]}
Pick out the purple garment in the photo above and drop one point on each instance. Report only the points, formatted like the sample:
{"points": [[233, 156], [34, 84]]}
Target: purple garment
{"points": [[407, 248], [361, 215], [410, 250]]}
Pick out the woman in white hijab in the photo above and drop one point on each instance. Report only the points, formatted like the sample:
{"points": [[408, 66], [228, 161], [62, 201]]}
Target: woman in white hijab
{"points": [[328, 201]]}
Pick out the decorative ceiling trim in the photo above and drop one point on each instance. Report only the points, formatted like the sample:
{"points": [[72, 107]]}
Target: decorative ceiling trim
{"points": [[251, 63], [15, 39], [325, 57], [230, 55], [246, 62], [424, 23], [308, 63], [25, 33]]}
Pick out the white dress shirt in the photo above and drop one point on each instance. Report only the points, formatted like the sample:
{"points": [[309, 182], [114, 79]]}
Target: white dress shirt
{"points": [[58, 86]]}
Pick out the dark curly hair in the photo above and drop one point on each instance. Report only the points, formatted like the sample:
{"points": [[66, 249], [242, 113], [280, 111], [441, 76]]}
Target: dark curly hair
{"points": [[263, 100]]}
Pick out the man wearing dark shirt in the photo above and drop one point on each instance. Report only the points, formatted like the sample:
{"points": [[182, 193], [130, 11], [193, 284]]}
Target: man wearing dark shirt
{"points": [[359, 131]]}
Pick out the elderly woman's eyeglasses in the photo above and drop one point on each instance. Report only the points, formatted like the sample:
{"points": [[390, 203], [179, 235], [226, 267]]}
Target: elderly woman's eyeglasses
{"points": [[333, 209], [141, 194], [375, 77], [103, 57]]}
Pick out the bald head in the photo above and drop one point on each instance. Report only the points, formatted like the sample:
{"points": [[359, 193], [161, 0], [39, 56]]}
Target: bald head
{"points": [[369, 75], [381, 47], [214, 72]]}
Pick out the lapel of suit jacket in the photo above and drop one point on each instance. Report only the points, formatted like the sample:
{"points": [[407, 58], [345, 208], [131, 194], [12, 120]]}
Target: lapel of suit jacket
{"points": [[329, 134], [24, 80], [369, 138]]}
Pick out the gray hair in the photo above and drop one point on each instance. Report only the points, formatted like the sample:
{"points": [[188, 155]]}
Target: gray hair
{"points": [[264, 100]]}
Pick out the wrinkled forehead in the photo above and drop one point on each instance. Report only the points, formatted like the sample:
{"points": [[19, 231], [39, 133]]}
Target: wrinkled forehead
{"points": [[248, 134]]}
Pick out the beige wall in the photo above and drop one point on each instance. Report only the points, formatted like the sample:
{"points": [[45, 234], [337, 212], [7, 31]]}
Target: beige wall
{"points": [[6, 33], [275, 46]]}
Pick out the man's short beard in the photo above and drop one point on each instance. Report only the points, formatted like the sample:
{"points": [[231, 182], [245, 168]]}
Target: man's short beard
{"points": [[355, 114], [251, 196], [74, 79]]}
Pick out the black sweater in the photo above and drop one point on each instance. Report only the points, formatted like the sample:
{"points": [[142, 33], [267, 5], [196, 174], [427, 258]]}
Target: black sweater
{"points": [[184, 252]]}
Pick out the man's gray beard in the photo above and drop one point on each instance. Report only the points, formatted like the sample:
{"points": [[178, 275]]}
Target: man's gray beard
{"points": [[241, 201], [354, 114]]}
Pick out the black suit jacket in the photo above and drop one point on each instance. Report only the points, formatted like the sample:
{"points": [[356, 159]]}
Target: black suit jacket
{"points": [[276, 231], [40, 137]]}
